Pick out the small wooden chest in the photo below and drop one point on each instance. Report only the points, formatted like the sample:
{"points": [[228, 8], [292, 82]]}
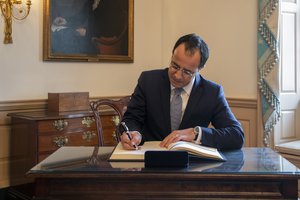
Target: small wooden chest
{"points": [[69, 101]]}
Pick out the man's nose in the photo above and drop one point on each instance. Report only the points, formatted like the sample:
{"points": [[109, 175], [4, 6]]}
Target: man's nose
{"points": [[179, 74]]}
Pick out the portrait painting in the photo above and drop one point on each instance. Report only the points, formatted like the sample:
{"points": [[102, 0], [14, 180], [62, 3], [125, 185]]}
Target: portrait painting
{"points": [[88, 30]]}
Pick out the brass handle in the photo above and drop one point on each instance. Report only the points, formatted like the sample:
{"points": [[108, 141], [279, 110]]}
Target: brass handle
{"points": [[88, 121], [88, 135], [60, 141], [116, 120], [60, 124]]}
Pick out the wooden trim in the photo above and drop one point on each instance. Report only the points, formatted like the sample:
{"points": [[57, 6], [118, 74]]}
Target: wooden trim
{"points": [[22, 105], [242, 103], [42, 103]]}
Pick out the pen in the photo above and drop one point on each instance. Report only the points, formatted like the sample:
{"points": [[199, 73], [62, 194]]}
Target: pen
{"points": [[128, 133]]}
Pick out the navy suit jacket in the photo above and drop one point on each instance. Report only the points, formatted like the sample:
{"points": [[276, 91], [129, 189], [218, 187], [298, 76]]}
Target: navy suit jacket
{"points": [[149, 111]]}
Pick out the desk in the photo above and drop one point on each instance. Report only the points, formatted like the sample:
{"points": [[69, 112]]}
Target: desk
{"points": [[85, 173]]}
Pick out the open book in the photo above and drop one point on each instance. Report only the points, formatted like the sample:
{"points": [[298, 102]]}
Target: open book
{"points": [[120, 154]]}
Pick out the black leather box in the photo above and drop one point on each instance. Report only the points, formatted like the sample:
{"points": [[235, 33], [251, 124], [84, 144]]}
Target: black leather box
{"points": [[170, 159]]}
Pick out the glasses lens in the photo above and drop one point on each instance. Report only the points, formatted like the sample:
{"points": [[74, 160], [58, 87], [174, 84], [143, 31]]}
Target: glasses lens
{"points": [[184, 71], [187, 73], [175, 67]]}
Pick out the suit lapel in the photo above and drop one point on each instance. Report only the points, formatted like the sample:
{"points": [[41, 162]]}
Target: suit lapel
{"points": [[165, 93], [193, 100]]}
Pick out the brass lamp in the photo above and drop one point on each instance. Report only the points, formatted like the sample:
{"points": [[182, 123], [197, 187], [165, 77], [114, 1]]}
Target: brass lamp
{"points": [[13, 9]]}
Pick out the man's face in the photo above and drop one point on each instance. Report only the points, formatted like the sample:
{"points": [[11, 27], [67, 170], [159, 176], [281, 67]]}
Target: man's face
{"points": [[183, 66]]}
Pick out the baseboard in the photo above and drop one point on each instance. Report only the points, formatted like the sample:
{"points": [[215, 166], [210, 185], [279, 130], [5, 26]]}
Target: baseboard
{"points": [[3, 193]]}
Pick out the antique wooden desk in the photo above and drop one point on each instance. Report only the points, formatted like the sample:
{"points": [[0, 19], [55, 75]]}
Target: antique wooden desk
{"points": [[85, 173]]}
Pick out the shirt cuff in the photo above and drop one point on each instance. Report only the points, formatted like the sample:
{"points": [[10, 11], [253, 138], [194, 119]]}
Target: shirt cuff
{"points": [[198, 139]]}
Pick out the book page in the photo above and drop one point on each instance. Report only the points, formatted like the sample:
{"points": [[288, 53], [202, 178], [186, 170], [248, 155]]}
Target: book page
{"points": [[197, 150], [120, 154], [123, 154]]}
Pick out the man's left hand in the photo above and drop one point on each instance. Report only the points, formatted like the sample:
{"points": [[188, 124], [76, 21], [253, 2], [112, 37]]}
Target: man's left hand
{"points": [[177, 135]]}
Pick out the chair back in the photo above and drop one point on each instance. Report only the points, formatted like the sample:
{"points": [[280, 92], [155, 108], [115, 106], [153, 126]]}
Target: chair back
{"points": [[119, 106]]}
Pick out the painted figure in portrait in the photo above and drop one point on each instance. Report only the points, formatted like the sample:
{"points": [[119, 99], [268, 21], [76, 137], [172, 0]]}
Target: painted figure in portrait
{"points": [[89, 27]]}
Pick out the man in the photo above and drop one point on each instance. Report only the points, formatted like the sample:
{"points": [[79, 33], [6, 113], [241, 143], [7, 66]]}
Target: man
{"points": [[149, 115]]}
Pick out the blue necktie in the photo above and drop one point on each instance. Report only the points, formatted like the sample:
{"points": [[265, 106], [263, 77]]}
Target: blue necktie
{"points": [[176, 109]]}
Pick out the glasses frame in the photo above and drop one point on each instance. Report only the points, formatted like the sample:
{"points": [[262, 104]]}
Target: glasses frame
{"points": [[184, 71]]}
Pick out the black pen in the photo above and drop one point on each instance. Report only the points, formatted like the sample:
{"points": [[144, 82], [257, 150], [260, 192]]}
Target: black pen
{"points": [[128, 133]]}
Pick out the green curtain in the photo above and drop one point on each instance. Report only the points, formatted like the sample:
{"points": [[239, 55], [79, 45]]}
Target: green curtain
{"points": [[268, 64]]}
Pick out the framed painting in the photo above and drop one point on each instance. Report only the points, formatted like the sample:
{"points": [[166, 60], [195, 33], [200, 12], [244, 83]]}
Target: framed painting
{"points": [[88, 30]]}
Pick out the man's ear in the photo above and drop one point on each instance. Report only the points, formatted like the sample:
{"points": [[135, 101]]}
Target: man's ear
{"points": [[202, 67]]}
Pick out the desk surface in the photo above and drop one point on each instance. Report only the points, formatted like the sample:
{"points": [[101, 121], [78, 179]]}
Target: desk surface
{"points": [[91, 159], [258, 172]]}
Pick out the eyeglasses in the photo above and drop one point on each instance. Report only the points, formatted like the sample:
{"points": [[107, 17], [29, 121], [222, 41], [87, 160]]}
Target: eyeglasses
{"points": [[185, 72]]}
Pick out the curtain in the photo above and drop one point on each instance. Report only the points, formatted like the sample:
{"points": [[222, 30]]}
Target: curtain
{"points": [[268, 64]]}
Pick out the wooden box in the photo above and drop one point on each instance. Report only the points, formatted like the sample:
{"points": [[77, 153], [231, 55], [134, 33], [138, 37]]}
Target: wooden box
{"points": [[66, 102]]}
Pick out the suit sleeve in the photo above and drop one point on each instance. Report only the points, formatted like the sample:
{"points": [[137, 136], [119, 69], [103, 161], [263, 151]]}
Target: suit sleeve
{"points": [[135, 114], [227, 132]]}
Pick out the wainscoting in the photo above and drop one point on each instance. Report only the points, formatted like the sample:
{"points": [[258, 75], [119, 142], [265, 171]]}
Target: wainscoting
{"points": [[245, 111]]}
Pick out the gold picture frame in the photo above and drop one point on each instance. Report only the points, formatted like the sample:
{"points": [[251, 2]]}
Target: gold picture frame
{"points": [[88, 30]]}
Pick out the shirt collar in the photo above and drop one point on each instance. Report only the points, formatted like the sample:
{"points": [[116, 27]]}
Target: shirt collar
{"points": [[188, 88]]}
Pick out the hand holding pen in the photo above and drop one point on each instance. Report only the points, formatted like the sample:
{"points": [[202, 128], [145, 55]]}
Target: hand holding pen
{"points": [[128, 135]]}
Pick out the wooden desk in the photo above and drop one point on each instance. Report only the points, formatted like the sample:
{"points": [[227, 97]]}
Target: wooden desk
{"points": [[85, 173]]}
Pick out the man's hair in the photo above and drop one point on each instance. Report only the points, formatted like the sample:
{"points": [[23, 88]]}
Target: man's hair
{"points": [[193, 42]]}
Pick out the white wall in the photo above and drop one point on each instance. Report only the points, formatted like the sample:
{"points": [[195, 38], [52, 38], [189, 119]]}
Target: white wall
{"points": [[229, 27]]}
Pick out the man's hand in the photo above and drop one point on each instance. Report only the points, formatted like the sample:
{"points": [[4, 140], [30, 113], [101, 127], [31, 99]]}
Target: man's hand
{"points": [[177, 135], [130, 144], [81, 31]]}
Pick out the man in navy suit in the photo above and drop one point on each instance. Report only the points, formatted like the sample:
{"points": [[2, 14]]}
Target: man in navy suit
{"points": [[203, 102]]}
